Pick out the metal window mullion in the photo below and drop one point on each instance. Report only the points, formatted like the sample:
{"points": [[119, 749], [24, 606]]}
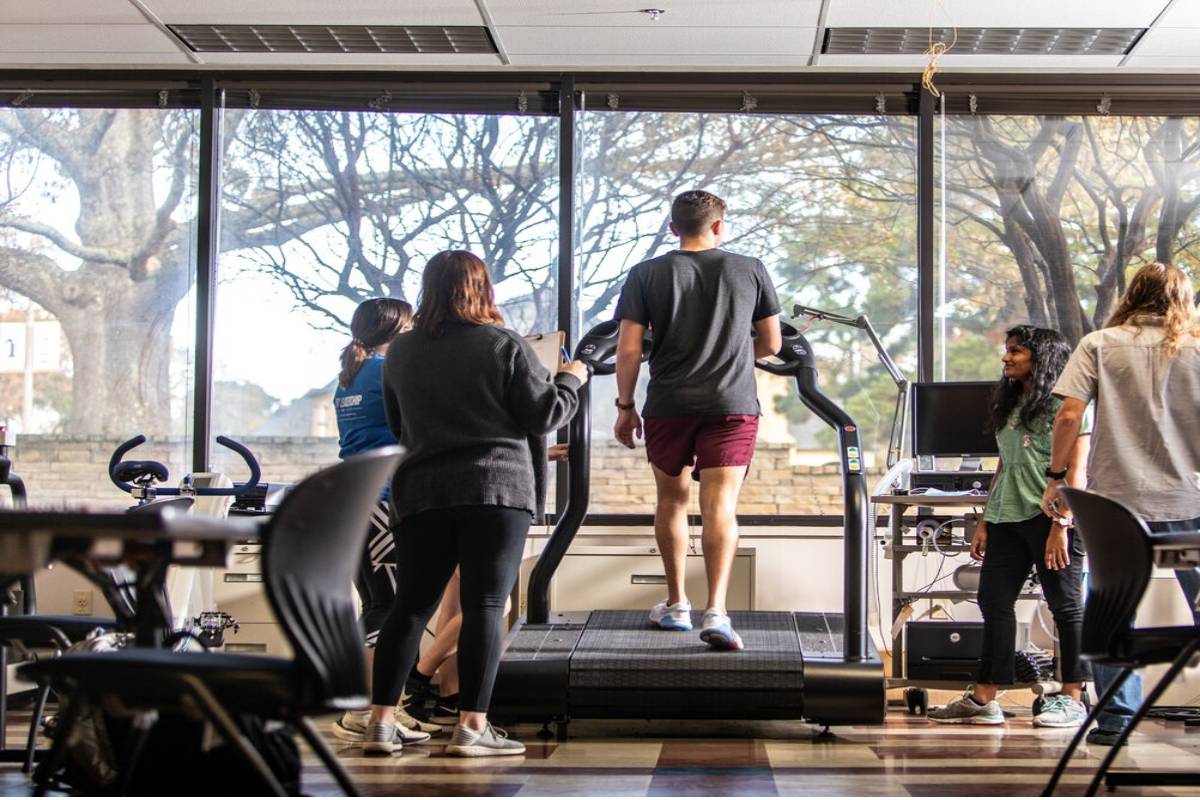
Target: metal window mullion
{"points": [[566, 245], [925, 231], [207, 218]]}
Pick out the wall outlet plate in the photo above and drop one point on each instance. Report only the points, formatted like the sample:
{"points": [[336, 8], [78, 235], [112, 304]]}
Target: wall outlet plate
{"points": [[81, 603]]}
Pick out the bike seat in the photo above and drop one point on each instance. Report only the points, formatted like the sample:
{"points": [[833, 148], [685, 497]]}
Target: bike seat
{"points": [[135, 471]]}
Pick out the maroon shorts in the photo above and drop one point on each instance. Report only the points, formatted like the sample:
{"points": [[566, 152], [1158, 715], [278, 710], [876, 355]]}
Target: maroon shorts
{"points": [[673, 443]]}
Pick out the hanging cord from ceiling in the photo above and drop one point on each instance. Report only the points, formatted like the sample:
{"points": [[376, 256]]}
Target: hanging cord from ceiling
{"points": [[936, 50]]}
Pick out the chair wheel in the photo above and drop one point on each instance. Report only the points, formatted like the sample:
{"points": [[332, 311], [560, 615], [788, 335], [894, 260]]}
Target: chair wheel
{"points": [[917, 700], [1038, 703]]}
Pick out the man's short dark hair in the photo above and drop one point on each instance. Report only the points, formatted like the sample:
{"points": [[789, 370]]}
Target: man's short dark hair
{"points": [[692, 212]]}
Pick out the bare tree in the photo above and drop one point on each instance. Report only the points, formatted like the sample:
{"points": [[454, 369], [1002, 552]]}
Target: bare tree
{"points": [[114, 280]]}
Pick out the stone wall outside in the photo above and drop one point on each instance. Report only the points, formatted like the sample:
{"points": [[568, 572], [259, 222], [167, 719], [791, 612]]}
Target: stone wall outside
{"points": [[73, 469]]}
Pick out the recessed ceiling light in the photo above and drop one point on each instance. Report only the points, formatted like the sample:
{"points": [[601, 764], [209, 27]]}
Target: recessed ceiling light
{"points": [[982, 41], [335, 38]]}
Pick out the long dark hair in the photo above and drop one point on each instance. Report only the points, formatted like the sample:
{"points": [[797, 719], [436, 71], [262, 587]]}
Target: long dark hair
{"points": [[1050, 354], [455, 287], [375, 322]]}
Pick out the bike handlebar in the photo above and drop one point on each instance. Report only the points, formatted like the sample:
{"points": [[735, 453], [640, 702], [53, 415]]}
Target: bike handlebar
{"points": [[238, 489]]}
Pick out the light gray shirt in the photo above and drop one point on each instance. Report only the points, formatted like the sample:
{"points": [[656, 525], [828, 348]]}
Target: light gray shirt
{"points": [[1146, 443]]}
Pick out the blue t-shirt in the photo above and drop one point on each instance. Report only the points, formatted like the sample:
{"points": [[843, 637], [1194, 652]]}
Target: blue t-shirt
{"points": [[362, 423]]}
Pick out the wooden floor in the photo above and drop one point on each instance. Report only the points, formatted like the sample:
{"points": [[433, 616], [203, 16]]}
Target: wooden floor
{"points": [[906, 756]]}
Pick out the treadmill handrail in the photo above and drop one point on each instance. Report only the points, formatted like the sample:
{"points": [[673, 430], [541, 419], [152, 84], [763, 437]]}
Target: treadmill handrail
{"points": [[579, 468]]}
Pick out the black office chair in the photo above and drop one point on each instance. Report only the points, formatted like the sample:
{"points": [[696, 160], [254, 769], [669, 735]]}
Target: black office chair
{"points": [[1120, 562], [312, 546], [27, 635]]}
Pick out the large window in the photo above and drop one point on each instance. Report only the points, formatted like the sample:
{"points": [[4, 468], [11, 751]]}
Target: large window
{"points": [[828, 203], [96, 303], [322, 210], [1046, 217]]}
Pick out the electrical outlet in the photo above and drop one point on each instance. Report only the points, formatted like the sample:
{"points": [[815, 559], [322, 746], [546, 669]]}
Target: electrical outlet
{"points": [[82, 603]]}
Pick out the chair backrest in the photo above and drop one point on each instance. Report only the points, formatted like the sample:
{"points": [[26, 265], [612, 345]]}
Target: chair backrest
{"points": [[312, 549], [1120, 562]]}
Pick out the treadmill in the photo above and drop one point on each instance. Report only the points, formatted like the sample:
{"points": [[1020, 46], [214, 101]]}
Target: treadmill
{"points": [[815, 666]]}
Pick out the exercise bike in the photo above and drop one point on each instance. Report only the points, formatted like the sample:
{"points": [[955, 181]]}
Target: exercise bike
{"points": [[141, 479]]}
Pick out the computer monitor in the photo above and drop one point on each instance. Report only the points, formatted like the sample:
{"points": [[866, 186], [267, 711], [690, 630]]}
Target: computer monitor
{"points": [[949, 419]]}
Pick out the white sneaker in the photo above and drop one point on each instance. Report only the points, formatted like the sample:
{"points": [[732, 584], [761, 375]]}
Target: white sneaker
{"points": [[718, 633], [1061, 711], [677, 617], [352, 727]]}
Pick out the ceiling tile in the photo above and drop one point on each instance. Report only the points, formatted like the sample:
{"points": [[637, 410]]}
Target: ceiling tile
{"points": [[51, 40], [97, 59], [989, 13], [84, 12], [659, 39], [317, 12], [678, 13], [1000, 62], [1184, 14]]}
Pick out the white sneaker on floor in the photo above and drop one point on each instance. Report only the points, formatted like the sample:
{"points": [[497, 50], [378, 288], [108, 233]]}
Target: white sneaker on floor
{"points": [[352, 727], [482, 744], [675, 617], [1060, 711], [965, 711]]}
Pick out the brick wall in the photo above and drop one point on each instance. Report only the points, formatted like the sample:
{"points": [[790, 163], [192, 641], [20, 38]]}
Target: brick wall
{"points": [[73, 469]]}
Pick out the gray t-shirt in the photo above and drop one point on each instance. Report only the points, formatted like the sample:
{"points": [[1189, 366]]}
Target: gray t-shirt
{"points": [[1146, 443], [701, 307]]}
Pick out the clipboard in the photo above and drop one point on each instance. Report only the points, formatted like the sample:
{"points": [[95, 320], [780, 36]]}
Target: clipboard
{"points": [[548, 347]]}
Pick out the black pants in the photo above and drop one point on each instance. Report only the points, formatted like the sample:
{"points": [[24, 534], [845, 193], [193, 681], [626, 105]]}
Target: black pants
{"points": [[486, 544], [375, 580], [1012, 548]]}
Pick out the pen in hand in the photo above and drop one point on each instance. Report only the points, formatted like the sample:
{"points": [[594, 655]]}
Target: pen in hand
{"points": [[566, 355]]}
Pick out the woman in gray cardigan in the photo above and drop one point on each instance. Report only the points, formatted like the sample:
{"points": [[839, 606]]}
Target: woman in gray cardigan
{"points": [[470, 402]]}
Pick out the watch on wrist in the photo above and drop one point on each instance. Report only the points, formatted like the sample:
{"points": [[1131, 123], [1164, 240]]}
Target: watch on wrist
{"points": [[623, 406], [1056, 475]]}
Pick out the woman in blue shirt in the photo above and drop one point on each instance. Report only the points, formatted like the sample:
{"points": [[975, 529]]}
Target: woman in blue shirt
{"points": [[362, 425]]}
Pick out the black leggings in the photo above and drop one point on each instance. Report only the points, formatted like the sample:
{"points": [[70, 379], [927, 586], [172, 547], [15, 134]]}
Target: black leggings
{"points": [[486, 544], [1012, 548], [376, 576]]}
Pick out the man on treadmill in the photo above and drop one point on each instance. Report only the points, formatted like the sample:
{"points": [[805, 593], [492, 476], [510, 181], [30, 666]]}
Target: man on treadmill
{"points": [[701, 412]]}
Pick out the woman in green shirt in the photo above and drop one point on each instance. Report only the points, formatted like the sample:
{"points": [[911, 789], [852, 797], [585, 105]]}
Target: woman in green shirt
{"points": [[1015, 535]]}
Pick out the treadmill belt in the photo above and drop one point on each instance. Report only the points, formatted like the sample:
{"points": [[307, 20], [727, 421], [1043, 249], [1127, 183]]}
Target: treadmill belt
{"points": [[622, 649]]}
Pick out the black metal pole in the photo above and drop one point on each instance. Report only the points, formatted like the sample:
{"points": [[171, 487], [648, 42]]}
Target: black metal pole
{"points": [[207, 249], [925, 231], [579, 467], [567, 169], [856, 537]]}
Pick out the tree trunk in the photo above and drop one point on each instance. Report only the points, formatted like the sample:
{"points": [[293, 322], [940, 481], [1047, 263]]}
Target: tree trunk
{"points": [[121, 351]]}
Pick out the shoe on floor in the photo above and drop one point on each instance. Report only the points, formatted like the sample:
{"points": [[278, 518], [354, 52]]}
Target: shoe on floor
{"points": [[1060, 711], [445, 711], [965, 711], [352, 727], [675, 617], [482, 744], [381, 739], [718, 632], [1103, 738], [415, 709]]}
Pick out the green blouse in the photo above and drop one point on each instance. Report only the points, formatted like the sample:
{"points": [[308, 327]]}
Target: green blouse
{"points": [[1017, 494]]}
